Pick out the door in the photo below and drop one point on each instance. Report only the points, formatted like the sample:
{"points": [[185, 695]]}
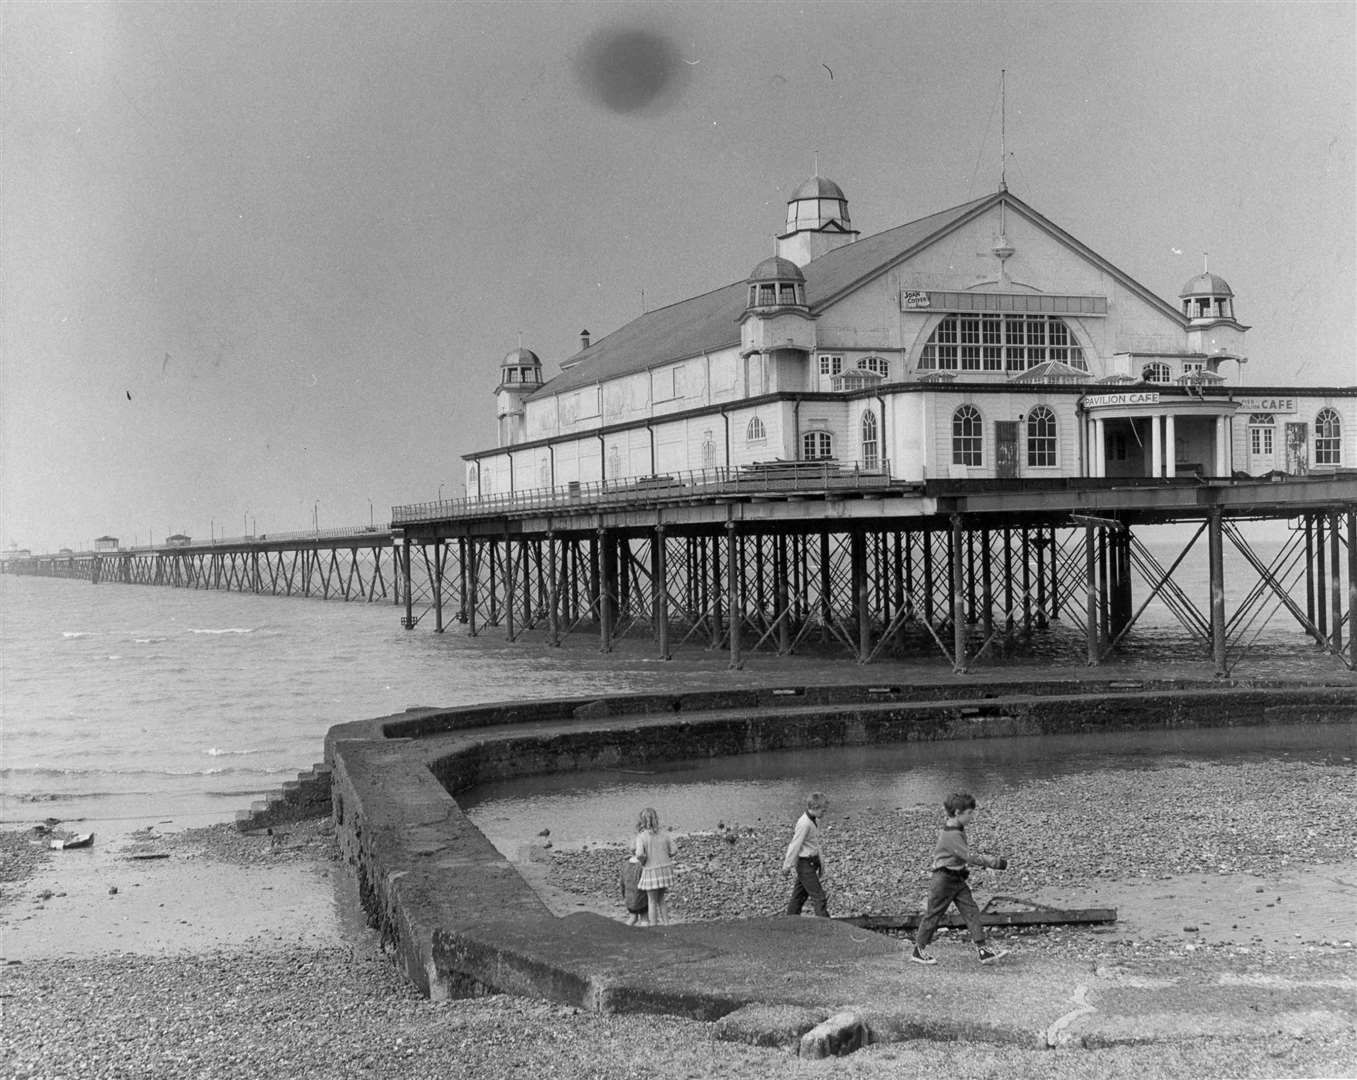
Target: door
{"points": [[1297, 449], [1006, 449]]}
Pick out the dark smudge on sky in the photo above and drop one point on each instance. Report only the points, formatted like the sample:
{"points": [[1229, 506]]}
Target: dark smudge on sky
{"points": [[627, 69]]}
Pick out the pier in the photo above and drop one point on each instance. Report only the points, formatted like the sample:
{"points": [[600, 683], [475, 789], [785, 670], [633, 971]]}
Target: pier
{"points": [[806, 557], [773, 559], [352, 563]]}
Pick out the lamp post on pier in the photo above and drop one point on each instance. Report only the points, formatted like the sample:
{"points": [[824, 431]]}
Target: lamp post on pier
{"points": [[315, 517]]}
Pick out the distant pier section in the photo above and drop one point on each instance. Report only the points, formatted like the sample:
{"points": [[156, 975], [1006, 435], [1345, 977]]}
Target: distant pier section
{"points": [[349, 563]]}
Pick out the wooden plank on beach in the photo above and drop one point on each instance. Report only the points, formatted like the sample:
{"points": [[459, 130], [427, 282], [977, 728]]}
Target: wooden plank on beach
{"points": [[1041, 916]]}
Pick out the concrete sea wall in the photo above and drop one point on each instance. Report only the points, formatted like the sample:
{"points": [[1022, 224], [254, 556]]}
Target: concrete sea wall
{"points": [[462, 921]]}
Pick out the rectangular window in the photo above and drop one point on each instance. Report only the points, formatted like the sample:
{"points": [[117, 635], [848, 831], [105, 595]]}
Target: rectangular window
{"points": [[831, 365], [1260, 440]]}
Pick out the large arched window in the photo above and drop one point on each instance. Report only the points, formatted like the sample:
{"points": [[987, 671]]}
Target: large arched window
{"points": [[755, 432], [968, 438], [816, 446], [871, 447], [1328, 438], [1041, 438], [1009, 343]]}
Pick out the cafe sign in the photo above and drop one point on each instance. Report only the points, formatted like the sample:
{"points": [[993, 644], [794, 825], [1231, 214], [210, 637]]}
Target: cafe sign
{"points": [[1267, 404], [1134, 397]]}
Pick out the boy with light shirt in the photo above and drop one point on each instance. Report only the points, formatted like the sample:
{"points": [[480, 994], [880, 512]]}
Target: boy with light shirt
{"points": [[805, 858]]}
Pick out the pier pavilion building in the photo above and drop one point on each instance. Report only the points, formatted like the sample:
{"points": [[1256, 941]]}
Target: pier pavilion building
{"points": [[981, 342], [948, 438]]}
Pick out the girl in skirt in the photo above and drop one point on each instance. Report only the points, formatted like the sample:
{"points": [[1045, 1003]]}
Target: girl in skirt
{"points": [[656, 852]]}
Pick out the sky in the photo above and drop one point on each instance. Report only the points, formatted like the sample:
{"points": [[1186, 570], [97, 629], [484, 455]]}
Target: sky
{"points": [[259, 262]]}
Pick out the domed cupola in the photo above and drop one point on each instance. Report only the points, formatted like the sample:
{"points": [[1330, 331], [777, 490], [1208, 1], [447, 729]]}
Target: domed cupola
{"points": [[1207, 296], [817, 221], [776, 315], [520, 374], [777, 282], [1212, 330]]}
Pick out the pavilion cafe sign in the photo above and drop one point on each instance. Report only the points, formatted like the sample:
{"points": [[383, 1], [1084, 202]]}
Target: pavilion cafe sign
{"points": [[1136, 397]]}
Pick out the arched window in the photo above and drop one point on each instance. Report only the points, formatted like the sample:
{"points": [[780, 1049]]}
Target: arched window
{"points": [[1009, 343], [816, 446], [614, 462], [1041, 438], [708, 451], [871, 448], [1260, 433], [876, 364], [755, 432], [1155, 372], [1328, 438], [968, 437]]}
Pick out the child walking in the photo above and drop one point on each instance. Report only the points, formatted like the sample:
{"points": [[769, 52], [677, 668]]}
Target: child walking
{"points": [[655, 850], [947, 885], [806, 858]]}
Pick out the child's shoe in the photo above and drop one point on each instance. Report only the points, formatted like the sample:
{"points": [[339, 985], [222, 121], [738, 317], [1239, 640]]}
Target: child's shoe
{"points": [[921, 957], [988, 956]]}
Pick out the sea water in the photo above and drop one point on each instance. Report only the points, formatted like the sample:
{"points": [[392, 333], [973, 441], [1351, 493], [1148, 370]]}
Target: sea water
{"points": [[123, 703]]}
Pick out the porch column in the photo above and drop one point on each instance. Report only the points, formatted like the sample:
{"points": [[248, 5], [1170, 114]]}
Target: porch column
{"points": [[1170, 447], [1099, 448], [1222, 446], [1157, 445]]}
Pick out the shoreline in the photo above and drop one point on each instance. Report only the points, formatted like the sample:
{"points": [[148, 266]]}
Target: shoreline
{"points": [[272, 1004]]}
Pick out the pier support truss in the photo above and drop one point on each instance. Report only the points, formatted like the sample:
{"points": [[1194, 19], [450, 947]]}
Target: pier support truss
{"points": [[972, 573], [338, 568], [965, 587]]}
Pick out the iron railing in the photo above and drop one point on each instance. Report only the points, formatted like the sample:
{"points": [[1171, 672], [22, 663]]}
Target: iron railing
{"points": [[767, 478]]}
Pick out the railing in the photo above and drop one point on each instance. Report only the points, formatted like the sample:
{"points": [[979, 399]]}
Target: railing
{"points": [[757, 478], [382, 532]]}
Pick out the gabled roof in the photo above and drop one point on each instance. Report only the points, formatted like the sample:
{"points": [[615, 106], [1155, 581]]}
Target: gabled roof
{"points": [[1049, 370], [709, 323]]}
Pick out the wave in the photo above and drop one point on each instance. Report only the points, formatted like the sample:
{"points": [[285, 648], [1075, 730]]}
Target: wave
{"points": [[44, 796], [75, 633], [44, 770], [216, 751], [226, 630]]}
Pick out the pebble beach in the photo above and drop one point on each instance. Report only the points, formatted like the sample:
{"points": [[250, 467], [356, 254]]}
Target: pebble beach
{"points": [[1264, 848]]}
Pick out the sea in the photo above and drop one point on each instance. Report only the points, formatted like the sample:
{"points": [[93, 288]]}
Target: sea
{"points": [[122, 705]]}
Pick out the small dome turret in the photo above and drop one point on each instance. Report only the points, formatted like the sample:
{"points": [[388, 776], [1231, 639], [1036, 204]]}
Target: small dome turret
{"points": [[819, 203], [1207, 296], [817, 221], [776, 268], [776, 282]]}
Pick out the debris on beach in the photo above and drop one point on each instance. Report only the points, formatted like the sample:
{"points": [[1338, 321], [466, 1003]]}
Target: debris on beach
{"points": [[71, 840]]}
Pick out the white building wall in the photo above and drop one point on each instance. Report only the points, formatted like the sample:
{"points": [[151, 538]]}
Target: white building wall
{"points": [[963, 260], [1290, 406]]}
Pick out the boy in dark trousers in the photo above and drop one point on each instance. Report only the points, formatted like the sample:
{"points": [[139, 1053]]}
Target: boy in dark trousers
{"points": [[947, 886]]}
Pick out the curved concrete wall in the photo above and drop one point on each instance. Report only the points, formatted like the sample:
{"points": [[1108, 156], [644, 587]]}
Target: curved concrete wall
{"points": [[462, 921]]}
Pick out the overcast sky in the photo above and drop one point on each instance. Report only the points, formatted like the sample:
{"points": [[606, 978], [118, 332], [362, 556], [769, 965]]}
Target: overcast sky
{"points": [[260, 262]]}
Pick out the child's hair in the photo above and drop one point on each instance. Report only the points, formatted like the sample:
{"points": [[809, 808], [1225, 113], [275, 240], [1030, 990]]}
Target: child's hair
{"points": [[649, 821], [958, 802], [817, 800]]}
